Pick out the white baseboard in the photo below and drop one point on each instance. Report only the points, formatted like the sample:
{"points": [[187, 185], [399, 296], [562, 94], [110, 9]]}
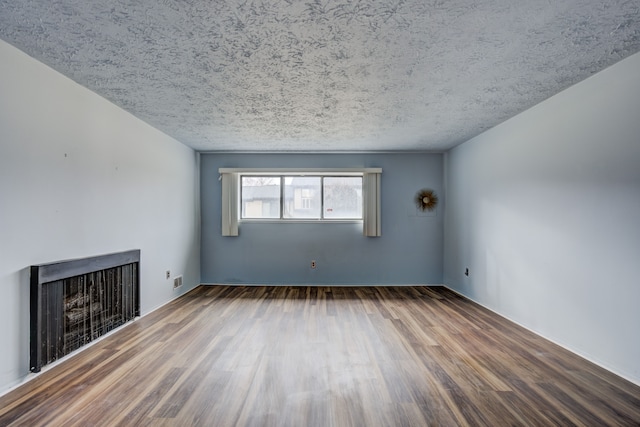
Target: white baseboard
{"points": [[564, 346], [325, 285]]}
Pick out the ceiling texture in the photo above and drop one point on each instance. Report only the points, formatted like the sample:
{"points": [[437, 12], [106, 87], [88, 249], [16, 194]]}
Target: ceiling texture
{"points": [[324, 75]]}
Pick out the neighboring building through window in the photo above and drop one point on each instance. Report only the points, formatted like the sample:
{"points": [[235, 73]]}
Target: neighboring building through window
{"points": [[260, 197], [301, 197], [286, 194]]}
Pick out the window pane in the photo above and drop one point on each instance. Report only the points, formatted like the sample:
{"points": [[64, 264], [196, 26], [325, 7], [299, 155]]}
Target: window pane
{"points": [[302, 197], [343, 197], [261, 197]]}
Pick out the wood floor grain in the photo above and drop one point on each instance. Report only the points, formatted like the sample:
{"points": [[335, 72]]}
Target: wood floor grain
{"points": [[323, 356]]}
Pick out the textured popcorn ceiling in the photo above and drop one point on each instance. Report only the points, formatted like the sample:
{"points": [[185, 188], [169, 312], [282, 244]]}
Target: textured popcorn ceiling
{"points": [[324, 75]]}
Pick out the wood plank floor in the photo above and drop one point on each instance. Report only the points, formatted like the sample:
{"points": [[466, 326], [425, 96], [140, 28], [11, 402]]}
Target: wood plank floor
{"points": [[331, 356]]}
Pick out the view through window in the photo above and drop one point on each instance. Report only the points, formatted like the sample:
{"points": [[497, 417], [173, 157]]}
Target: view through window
{"points": [[292, 197]]}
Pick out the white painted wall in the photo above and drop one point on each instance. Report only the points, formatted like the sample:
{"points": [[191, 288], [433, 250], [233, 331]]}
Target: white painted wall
{"points": [[80, 177], [544, 209]]}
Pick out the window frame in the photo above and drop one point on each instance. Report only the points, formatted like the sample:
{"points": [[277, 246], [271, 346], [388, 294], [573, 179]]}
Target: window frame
{"points": [[309, 174], [371, 196]]}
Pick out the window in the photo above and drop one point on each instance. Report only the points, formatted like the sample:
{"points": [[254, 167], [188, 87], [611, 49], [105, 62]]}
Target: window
{"points": [[342, 197], [302, 197], [299, 195], [260, 197]]}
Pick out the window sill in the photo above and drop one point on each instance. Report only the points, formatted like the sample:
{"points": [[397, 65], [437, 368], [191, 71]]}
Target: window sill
{"points": [[300, 221]]}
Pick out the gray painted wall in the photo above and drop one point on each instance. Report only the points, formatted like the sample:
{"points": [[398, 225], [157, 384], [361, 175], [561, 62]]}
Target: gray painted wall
{"points": [[545, 211], [81, 177], [409, 251]]}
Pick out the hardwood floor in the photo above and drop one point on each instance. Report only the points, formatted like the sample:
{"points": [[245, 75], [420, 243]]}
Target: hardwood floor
{"points": [[331, 356]]}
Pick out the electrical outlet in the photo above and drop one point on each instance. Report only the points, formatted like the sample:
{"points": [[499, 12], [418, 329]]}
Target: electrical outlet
{"points": [[313, 264], [168, 274]]}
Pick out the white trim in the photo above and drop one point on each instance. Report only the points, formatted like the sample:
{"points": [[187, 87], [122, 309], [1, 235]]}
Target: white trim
{"points": [[329, 152], [328, 285], [300, 221], [301, 171], [623, 375], [371, 212]]}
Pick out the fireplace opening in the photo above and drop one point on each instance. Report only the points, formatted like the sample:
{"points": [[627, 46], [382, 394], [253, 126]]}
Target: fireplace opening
{"points": [[74, 302]]}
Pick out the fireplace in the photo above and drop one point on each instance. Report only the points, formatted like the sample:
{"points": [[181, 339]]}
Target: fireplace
{"points": [[74, 302]]}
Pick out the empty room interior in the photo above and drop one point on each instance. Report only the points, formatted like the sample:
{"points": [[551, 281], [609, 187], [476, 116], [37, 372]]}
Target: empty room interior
{"points": [[320, 213]]}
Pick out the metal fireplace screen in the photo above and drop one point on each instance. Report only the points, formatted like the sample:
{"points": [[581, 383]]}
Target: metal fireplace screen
{"points": [[74, 302]]}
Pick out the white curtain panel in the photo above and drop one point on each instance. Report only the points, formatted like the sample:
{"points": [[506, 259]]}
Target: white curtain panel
{"points": [[371, 208], [229, 204]]}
